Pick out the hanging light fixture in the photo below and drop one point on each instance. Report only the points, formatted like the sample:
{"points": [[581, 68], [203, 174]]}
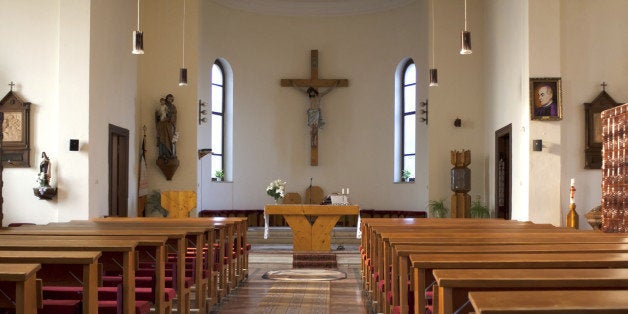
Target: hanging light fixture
{"points": [[138, 36], [433, 70], [183, 72], [465, 35]]}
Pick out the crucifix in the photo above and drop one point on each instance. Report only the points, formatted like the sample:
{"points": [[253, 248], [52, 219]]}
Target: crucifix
{"points": [[311, 88]]}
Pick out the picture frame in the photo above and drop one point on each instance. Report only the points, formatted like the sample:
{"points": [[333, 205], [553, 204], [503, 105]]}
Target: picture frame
{"points": [[593, 129], [15, 131], [546, 99]]}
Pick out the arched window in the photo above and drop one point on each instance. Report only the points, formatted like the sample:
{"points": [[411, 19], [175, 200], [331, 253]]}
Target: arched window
{"points": [[218, 119], [405, 121]]}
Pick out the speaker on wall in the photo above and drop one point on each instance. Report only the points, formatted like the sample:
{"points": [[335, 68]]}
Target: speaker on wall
{"points": [[74, 145]]}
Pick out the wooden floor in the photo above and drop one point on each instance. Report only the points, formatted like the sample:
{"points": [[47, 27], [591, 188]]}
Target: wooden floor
{"points": [[258, 295]]}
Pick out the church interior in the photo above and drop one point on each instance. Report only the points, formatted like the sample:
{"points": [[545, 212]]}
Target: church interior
{"points": [[235, 77]]}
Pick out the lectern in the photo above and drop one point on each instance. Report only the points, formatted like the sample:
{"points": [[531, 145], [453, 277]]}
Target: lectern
{"points": [[315, 236]]}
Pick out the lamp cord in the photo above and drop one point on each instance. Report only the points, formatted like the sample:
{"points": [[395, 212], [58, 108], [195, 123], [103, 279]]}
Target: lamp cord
{"points": [[138, 15], [465, 16], [183, 61], [433, 35]]}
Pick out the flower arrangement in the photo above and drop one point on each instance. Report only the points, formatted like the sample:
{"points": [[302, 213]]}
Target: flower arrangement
{"points": [[276, 189], [42, 179]]}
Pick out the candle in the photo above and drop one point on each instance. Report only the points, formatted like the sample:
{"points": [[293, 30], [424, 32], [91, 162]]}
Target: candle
{"points": [[347, 190], [573, 181], [343, 191]]}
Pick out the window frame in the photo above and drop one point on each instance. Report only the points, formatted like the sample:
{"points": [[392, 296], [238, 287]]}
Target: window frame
{"points": [[403, 115], [222, 117]]}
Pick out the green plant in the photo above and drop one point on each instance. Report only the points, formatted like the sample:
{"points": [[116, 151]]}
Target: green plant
{"points": [[438, 209], [478, 209], [405, 174], [220, 174]]}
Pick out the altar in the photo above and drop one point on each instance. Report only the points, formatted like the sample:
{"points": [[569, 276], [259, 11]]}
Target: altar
{"points": [[315, 236]]}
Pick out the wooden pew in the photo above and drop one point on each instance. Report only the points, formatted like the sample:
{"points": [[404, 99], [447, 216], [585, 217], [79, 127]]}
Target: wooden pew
{"points": [[21, 277], [423, 264], [87, 260], [400, 248], [176, 238], [454, 284], [571, 301], [150, 245], [123, 248]]}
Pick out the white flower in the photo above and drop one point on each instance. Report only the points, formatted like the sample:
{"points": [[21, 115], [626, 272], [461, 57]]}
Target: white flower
{"points": [[175, 137], [276, 189]]}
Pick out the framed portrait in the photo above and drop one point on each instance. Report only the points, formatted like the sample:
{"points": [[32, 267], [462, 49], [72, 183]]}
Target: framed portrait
{"points": [[546, 99], [593, 129], [15, 131]]}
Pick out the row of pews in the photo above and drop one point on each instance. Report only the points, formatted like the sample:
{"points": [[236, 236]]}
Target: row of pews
{"points": [[491, 266], [122, 265]]}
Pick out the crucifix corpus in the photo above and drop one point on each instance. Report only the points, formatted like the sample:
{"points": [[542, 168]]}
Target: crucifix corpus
{"points": [[311, 88]]}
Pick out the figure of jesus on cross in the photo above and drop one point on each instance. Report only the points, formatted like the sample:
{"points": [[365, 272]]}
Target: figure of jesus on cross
{"points": [[310, 88]]}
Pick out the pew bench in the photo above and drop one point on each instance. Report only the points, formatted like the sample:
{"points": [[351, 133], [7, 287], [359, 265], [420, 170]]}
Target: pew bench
{"points": [[423, 264], [453, 285], [19, 281], [555, 302]]}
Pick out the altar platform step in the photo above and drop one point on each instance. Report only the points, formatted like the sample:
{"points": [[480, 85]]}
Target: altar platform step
{"points": [[314, 260], [283, 235]]}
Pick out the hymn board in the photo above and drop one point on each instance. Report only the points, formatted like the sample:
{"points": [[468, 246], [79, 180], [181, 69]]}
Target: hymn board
{"points": [[311, 88]]}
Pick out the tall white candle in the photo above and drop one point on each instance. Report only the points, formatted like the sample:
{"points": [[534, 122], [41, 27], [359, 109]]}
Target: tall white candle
{"points": [[347, 190], [573, 181]]}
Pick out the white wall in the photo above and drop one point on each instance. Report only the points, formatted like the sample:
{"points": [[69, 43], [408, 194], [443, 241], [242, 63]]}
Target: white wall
{"points": [[506, 76], [459, 94], [71, 59], [593, 50], [29, 57], [272, 138], [112, 98]]}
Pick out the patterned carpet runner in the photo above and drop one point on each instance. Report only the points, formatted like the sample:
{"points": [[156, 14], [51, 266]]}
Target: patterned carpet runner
{"points": [[296, 297]]}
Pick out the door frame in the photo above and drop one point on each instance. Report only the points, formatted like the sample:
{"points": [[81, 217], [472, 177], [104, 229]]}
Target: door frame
{"points": [[499, 135], [121, 187]]}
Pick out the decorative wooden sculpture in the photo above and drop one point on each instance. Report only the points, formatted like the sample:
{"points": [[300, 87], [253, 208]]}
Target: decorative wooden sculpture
{"points": [[593, 128], [311, 88], [614, 169], [460, 183], [167, 136]]}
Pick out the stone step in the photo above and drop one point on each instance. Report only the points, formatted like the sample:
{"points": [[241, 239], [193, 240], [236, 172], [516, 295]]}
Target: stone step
{"points": [[283, 235]]}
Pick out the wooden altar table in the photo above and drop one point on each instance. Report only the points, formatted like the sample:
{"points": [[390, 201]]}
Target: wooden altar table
{"points": [[315, 236]]}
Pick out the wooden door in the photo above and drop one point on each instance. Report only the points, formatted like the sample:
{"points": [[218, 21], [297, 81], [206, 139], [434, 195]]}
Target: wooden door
{"points": [[118, 171], [503, 172]]}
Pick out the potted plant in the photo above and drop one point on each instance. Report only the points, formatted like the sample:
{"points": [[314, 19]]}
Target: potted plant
{"points": [[405, 175], [220, 175], [438, 209], [478, 209]]}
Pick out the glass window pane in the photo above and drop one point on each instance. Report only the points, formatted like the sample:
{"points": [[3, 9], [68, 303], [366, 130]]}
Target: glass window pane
{"points": [[408, 164], [410, 75], [409, 126], [217, 98], [216, 134], [216, 75], [216, 164], [409, 102]]}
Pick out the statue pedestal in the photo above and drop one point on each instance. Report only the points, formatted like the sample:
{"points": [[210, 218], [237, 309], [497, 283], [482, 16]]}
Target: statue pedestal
{"points": [[45, 192], [168, 166]]}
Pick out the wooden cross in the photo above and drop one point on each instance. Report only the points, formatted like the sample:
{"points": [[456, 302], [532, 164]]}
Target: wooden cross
{"points": [[11, 84], [603, 86], [315, 83]]}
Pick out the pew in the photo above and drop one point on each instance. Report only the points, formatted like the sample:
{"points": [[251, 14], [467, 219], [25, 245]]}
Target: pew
{"points": [[176, 237], [567, 302], [152, 246], [86, 260], [423, 264], [453, 285], [109, 248], [21, 279]]}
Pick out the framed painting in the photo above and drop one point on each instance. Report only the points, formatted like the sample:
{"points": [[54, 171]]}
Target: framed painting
{"points": [[546, 99], [15, 131], [593, 129]]}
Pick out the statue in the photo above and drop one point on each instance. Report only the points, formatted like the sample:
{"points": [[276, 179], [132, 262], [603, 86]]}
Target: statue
{"points": [[44, 191], [167, 136]]}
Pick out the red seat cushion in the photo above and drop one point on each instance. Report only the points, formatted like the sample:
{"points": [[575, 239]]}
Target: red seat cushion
{"points": [[61, 306]]}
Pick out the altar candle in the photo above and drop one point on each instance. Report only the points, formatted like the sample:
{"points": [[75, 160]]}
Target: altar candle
{"points": [[347, 190], [343, 191], [572, 192]]}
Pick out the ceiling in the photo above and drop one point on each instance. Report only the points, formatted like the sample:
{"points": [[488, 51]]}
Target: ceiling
{"points": [[314, 7]]}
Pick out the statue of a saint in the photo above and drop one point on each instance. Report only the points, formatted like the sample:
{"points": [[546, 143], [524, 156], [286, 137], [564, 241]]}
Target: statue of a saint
{"points": [[166, 120]]}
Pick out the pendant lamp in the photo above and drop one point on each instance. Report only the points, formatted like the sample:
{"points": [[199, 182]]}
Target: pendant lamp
{"points": [[433, 70], [465, 35], [183, 72], [138, 36]]}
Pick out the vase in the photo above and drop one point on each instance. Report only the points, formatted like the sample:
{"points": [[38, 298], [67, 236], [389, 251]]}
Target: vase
{"points": [[278, 200]]}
